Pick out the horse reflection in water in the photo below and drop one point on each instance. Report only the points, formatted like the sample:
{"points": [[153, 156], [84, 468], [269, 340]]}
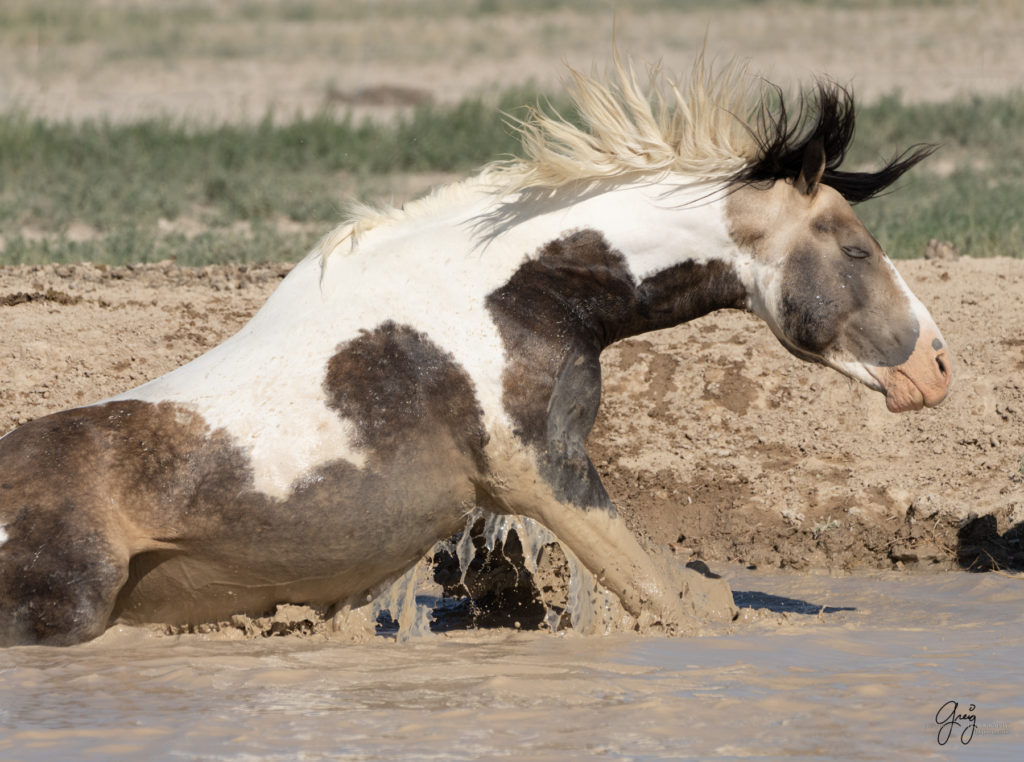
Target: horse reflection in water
{"points": [[424, 362]]}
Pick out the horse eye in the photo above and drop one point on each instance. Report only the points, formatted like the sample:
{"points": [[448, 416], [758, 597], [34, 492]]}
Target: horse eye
{"points": [[856, 252]]}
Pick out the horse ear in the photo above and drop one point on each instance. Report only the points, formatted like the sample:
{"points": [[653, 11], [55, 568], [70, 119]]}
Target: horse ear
{"points": [[813, 168]]}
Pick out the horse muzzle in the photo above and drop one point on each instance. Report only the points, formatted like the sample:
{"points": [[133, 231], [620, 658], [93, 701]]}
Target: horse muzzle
{"points": [[923, 380]]}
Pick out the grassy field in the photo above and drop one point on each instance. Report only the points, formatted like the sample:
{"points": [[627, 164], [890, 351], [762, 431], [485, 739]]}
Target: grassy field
{"points": [[970, 192], [156, 189]]}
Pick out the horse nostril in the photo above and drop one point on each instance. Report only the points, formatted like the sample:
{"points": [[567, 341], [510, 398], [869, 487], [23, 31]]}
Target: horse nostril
{"points": [[942, 365]]}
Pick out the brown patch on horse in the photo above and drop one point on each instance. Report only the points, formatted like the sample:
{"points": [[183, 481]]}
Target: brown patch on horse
{"points": [[556, 314], [689, 290], [64, 596], [394, 384], [562, 304], [66, 476], [577, 296]]}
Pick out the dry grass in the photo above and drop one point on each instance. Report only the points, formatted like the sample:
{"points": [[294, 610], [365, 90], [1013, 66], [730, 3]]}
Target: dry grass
{"points": [[126, 59]]}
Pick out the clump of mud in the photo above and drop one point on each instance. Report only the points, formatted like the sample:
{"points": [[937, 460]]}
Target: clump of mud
{"points": [[50, 295], [287, 619], [488, 580], [291, 620]]}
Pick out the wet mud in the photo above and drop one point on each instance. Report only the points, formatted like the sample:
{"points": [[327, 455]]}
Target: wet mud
{"points": [[855, 666]]}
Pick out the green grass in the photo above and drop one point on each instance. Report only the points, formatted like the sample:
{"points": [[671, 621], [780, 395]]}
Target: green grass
{"points": [[134, 244], [976, 198], [121, 180], [254, 192], [107, 173]]}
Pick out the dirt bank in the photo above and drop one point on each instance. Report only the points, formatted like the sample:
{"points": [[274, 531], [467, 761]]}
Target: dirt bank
{"points": [[714, 438], [711, 437]]}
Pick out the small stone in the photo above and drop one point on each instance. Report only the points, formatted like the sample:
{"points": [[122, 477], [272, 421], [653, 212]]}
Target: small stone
{"points": [[920, 554]]}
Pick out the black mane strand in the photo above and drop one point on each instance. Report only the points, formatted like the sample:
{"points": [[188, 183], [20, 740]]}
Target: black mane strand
{"points": [[828, 115]]}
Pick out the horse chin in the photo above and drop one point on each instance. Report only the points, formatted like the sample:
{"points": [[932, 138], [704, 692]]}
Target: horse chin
{"points": [[855, 370], [901, 393], [904, 400], [906, 387]]}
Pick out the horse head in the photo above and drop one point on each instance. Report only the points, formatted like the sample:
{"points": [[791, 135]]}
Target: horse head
{"points": [[792, 250], [826, 288]]}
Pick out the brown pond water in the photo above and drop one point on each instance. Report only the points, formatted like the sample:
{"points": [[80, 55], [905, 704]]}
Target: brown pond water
{"points": [[852, 667]]}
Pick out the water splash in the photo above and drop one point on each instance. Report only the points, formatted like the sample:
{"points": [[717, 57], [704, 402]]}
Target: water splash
{"points": [[403, 605], [590, 608]]}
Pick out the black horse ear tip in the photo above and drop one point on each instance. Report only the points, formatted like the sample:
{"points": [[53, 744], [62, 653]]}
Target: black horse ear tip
{"points": [[812, 167]]}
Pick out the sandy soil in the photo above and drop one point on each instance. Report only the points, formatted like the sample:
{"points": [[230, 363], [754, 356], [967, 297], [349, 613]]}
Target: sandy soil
{"points": [[711, 438]]}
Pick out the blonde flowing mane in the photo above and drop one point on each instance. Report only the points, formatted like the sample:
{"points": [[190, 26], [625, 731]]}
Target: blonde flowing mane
{"points": [[702, 128], [699, 129], [716, 128]]}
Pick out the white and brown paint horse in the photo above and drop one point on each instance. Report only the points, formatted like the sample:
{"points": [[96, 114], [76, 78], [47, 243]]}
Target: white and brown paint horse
{"points": [[423, 362]]}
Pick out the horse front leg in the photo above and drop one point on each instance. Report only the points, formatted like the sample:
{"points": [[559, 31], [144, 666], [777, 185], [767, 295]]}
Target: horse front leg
{"points": [[564, 493]]}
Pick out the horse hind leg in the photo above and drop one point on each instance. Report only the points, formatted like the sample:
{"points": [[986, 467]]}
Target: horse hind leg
{"points": [[58, 579]]}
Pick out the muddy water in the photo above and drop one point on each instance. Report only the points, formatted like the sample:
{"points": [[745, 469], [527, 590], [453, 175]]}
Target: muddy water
{"points": [[853, 667]]}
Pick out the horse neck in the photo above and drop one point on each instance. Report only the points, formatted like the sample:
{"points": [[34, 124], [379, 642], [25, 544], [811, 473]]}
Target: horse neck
{"points": [[633, 260]]}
